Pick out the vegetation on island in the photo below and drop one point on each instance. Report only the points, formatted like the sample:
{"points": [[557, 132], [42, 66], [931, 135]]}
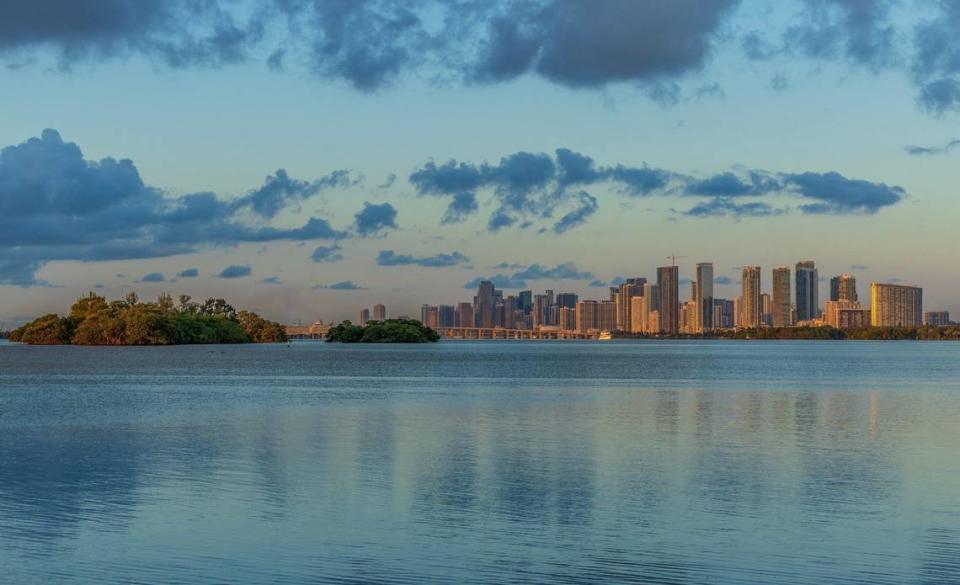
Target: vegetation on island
{"points": [[863, 334], [95, 321], [388, 331]]}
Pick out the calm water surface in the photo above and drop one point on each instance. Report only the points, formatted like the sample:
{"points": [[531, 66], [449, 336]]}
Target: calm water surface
{"points": [[521, 462]]}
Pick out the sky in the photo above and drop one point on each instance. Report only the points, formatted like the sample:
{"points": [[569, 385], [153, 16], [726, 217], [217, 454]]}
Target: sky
{"points": [[308, 158]]}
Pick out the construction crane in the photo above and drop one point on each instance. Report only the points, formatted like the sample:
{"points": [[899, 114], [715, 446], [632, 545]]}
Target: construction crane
{"points": [[674, 259]]}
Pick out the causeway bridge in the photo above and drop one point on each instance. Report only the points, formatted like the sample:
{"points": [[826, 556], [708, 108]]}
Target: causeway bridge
{"points": [[501, 333]]}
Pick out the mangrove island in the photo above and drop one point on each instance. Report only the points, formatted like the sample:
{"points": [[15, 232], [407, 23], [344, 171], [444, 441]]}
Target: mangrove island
{"points": [[95, 321], [388, 331]]}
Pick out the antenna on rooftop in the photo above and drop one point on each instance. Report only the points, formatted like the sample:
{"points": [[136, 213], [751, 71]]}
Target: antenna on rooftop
{"points": [[674, 259]]}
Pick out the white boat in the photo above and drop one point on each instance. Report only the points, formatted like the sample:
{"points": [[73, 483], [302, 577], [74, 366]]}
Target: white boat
{"points": [[605, 336]]}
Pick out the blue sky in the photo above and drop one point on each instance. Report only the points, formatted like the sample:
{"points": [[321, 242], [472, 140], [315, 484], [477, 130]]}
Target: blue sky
{"points": [[295, 156]]}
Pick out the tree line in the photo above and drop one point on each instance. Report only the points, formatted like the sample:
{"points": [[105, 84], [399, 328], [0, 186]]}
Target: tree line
{"points": [[388, 331], [95, 321], [864, 334]]}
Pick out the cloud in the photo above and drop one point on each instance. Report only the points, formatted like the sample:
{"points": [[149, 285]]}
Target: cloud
{"points": [[188, 273], [391, 258], [592, 44], [279, 191], [530, 186], [235, 271], [858, 31], [859, 267], [57, 205], [566, 271], [343, 285], [936, 64], [373, 220], [153, 277], [839, 195], [722, 207], [598, 284], [931, 150], [500, 281], [579, 216], [272, 280], [723, 280], [327, 254]]}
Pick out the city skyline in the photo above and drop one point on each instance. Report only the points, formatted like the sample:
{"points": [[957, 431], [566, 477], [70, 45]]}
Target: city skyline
{"points": [[309, 157]]}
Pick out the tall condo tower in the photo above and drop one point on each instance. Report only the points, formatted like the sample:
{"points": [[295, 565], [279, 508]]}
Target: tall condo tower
{"points": [[808, 281], [704, 296], [781, 297], [668, 282], [750, 305]]}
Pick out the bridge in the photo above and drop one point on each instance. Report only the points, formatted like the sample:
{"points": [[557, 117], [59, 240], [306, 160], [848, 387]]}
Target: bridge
{"points": [[500, 333]]}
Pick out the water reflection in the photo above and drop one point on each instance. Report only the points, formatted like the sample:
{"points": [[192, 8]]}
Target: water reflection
{"points": [[404, 480]]}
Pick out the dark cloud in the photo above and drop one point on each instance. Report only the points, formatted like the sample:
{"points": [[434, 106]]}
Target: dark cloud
{"points": [[598, 284], [327, 254], [928, 150], [723, 207], [177, 33], [391, 258], [859, 267], [343, 285], [271, 280], [859, 31], [566, 271], [373, 220], [235, 271], [837, 194], [279, 191], [723, 280], [936, 64], [579, 216], [531, 186], [592, 44], [153, 277], [189, 273], [57, 205], [500, 281]]}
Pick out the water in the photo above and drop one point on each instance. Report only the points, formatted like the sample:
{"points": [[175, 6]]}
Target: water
{"points": [[489, 462]]}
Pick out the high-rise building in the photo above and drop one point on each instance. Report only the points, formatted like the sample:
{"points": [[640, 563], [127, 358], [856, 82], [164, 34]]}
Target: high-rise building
{"points": [[541, 305], [525, 301], [464, 316], [637, 321], [750, 307], [723, 313], [894, 305], [588, 316], [568, 300], [808, 284], [379, 313], [433, 317], [936, 318], [364, 317], [704, 297], [845, 315], [485, 305], [766, 310], [568, 319], [625, 294], [668, 283], [446, 315], [649, 302], [608, 315], [843, 288], [510, 312], [781, 297]]}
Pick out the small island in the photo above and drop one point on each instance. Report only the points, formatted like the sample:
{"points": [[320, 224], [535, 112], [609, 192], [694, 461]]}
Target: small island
{"points": [[388, 331], [95, 321]]}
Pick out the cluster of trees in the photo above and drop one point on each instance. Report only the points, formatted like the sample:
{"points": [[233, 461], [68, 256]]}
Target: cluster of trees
{"points": [[95, 321], [389, 331], [866, 333]]}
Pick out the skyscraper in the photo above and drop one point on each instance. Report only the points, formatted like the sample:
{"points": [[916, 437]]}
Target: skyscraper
{"points": [[364, 317], [540, 307], [750, 303], [379, 313], [704, 297], [843, 288], [625, 294], [781, 297], [525, 301], [588, 316], [485, 305], [568, 300], [510, 312], [608, 316], [668, 282], [808, 283], [446, 315], [464, 316], [893, 305]]}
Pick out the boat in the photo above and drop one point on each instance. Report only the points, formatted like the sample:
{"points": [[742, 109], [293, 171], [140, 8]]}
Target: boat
{"points": [[605, 336]]}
